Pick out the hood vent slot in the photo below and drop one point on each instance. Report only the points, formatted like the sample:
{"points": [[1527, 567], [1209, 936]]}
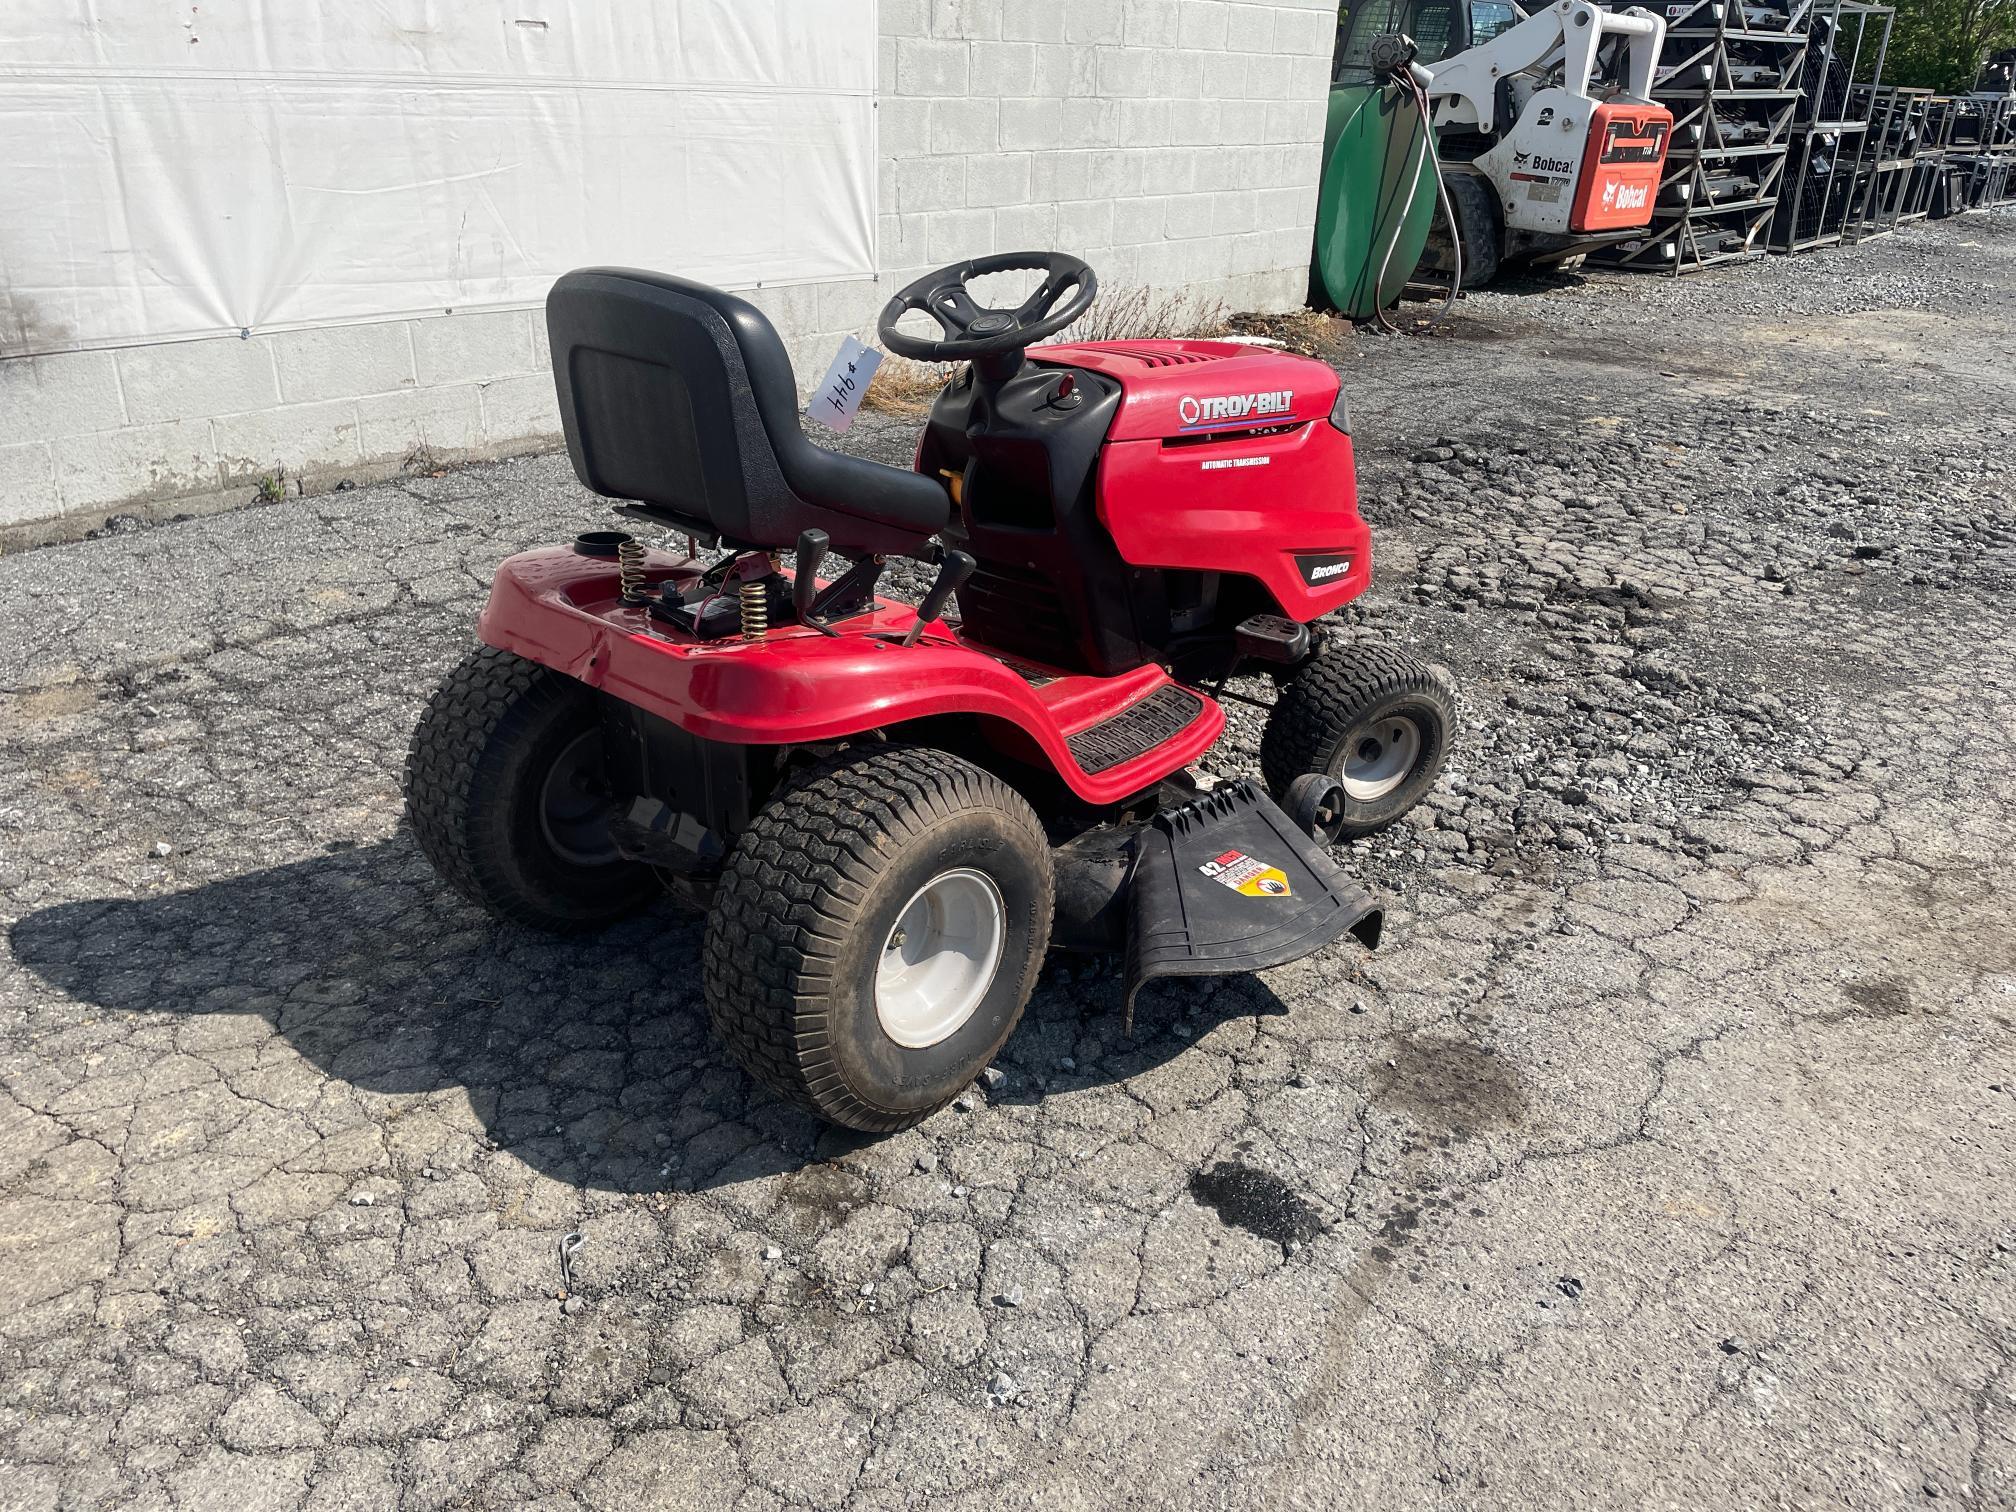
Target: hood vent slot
{"points": [[1149, 357]]}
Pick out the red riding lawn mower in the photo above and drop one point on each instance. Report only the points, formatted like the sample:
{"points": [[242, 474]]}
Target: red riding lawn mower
{"points": [[891, 816]]}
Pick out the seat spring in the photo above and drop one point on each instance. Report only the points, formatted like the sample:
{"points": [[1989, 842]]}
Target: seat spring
{"points": [[755, 599], [630, 571]]}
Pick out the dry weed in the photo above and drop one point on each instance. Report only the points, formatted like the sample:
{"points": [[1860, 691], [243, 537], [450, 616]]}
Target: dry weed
{"points": [[1142, 314], [904, 386], [1308, 333]]}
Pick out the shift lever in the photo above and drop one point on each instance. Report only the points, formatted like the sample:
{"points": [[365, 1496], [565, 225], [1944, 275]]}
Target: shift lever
{"points": [[951, 577], [812, 546]]}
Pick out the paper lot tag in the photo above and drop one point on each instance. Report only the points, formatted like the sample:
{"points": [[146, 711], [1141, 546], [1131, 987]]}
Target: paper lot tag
{"points": [[834, 402], [1243, 874]]}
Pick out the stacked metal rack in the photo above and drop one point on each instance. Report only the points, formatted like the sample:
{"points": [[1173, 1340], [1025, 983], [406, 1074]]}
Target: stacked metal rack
{"points": [[1884, 173], [2004, 189], [2005, 150], [1730, 72], [1964, 130], [1974, 136], [1845, 39], [1923, 193], [1984, 150], [1975, 168]]}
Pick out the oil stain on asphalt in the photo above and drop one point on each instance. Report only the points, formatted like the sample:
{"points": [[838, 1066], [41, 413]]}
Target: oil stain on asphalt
{"points": [[1879, 999], [1264, 1205], [1451, 1085]]}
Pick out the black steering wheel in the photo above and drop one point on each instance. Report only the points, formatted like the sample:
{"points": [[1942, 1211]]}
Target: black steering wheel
{"points": [[971, 329]]}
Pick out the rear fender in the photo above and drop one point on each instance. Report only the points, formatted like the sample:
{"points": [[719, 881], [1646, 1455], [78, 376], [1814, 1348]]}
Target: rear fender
{"points": [[794, 686]]}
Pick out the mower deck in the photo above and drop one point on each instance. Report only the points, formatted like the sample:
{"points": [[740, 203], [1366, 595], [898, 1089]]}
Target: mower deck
{"points": [[1227, 884], [1107, 737]]}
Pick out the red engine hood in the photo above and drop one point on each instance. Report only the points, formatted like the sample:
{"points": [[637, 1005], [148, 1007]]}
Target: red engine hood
{"points": [[1201, 388]]}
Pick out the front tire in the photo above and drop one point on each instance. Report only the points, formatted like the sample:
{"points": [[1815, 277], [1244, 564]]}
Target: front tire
{"points": [[1375, 721], [503, 790], [1479, 227], [877, 932]]}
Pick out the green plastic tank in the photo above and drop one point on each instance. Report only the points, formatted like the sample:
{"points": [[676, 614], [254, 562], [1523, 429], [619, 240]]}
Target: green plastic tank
{"points": [[1378, 189]]}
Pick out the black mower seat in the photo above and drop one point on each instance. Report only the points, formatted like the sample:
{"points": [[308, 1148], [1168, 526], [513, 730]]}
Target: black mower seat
{"points": [[682, 398]]}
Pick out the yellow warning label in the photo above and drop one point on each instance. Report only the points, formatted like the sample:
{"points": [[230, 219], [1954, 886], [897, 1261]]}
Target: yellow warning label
{"points": [[1243, 874]]}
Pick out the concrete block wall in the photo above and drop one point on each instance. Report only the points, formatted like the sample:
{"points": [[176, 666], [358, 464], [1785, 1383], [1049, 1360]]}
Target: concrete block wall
{"points": [[1174, 144], [200, 425]]}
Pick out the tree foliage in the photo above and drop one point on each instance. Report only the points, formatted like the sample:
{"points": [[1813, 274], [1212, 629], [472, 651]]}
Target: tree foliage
{"points": [[1939, 44]]}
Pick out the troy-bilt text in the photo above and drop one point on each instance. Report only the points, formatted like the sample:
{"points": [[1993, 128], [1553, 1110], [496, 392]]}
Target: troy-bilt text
{"points": [[1222, 407]]}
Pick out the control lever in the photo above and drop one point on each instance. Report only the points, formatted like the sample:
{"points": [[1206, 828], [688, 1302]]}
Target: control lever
{"points": [[951, 577], [812, 545]]}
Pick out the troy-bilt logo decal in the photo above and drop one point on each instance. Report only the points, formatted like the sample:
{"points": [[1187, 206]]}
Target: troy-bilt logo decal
{"points": [[1222, 409]]}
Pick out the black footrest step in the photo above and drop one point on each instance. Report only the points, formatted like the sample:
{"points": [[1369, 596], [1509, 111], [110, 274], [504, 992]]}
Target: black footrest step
{"points": [[1136, 729], [1271, 637]]}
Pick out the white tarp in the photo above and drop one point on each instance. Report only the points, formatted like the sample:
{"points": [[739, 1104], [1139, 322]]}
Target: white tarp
{"points": [[171, 169]]}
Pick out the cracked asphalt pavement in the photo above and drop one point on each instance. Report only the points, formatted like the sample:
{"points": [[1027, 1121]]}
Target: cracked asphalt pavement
{"points": [[1663, 1154]]}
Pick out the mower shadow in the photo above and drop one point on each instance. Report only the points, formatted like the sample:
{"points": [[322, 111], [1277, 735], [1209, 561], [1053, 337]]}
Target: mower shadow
{"points": [[588, 1058]]}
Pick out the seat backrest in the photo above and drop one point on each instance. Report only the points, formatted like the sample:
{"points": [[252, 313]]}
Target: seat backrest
{"points": [[681, 397]]}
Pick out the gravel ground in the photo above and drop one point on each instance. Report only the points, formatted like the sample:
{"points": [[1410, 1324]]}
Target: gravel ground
{"points": [[1662, 1156]]}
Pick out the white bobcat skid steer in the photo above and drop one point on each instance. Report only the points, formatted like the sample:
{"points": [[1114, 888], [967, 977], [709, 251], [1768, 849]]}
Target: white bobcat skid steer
{"points": [[1541, 160]]}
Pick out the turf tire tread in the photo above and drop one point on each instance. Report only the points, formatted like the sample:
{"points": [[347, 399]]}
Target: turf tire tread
{"points": [[488, 703], [1319, 702], [792, 890]]}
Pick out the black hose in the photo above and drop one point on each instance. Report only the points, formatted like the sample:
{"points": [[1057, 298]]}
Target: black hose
{"points": [[1407, 81]]}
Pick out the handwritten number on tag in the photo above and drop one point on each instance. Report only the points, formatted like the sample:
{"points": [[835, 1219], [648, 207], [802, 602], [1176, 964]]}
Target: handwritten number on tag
{"points": [[837, 399]]}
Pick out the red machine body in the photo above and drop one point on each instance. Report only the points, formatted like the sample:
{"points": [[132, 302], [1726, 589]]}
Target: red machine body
{"points": [[891, 811], [1229, 458], [794, 685], [1621, 168], [1185, 391], [1223, 463]]}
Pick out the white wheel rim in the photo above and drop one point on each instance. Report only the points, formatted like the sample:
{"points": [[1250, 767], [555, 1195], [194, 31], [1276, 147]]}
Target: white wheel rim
{"points": [[1379, 759], [940, 958]]}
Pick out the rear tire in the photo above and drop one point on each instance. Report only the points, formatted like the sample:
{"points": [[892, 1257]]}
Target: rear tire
{"points": [[877, 932], [1376, 721], [502, 791]]}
